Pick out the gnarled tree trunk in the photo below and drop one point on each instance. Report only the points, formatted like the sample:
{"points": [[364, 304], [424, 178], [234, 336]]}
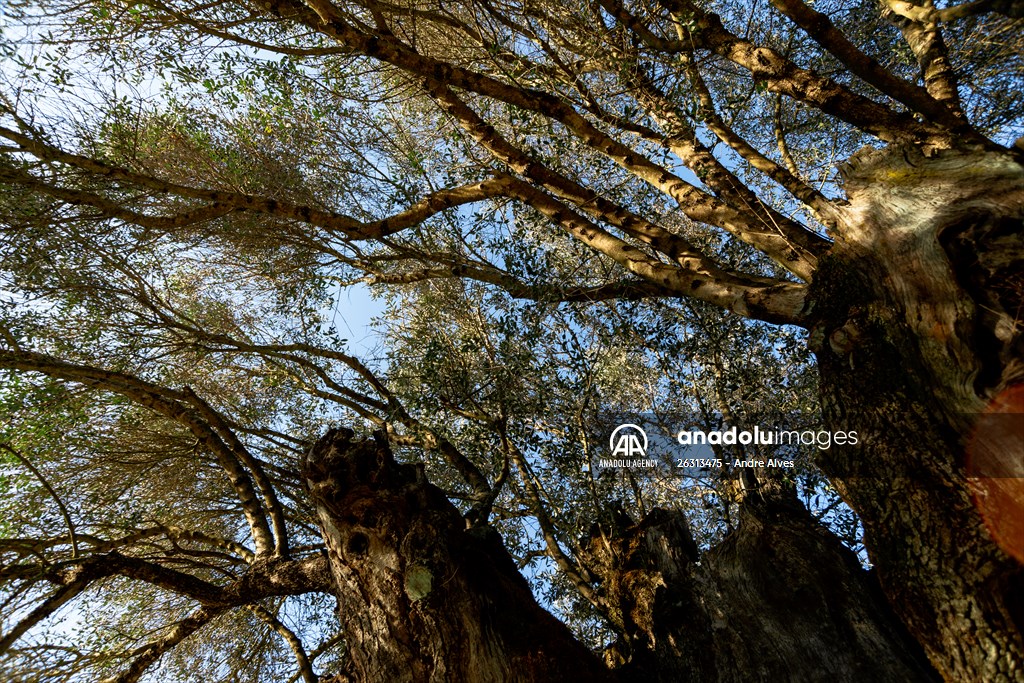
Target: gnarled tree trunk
{"points": [[780, 599], [919, 342], [421, 598], [917, 325]]}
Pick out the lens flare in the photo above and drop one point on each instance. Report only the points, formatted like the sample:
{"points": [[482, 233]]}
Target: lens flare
{"points": [[995, 464]]}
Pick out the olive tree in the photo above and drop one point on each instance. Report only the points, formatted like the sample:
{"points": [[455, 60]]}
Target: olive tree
{"points": [[187, 186]]}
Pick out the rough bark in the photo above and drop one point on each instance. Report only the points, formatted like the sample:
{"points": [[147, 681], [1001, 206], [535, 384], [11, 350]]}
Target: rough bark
{"points": [[420, 597], [918, 337], [780, 599]]}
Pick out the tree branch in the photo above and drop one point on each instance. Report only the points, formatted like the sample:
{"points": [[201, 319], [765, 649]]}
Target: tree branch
{"points": [[926, 42], [64, 594], [553, 293], [273, 505], [932, 104], [153, 651], [305, 667], [783, 76], [266, 577], [222, 202], [73, 537], [928, 13], [786, 176], [168, 403], [683, 141], [764, 299], [576, 574], [439, 76]]}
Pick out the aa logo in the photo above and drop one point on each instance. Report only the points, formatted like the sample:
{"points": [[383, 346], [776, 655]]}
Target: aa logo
{"points": [[628, 441]]}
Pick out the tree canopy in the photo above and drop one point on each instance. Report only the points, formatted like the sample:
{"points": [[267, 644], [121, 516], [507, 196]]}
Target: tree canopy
{"points": [[569, 213]]}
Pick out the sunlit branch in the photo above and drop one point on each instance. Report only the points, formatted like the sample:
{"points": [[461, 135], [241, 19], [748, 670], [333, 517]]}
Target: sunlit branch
{"points": [[817, 25], [207, 28], [273, 505], [177, 533], [929, 13], [616, 9], [683, 141], [316, 652], [439, 76], [265, 577], [222, 202], [781, 75], [112, 209], [434, 204], [785, 176], [780, 137], [289, 637], [926, 42], [553, 293], [75, 579], [668, 243], [769, 300]]}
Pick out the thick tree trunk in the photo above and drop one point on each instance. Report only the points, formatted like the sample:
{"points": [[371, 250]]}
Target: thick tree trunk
{"points": [[780, 599], [420, 598], [919, 343]]}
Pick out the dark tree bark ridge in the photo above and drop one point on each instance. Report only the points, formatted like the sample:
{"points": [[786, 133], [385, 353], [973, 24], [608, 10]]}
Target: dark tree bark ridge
{"points": [[780, 599]]}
